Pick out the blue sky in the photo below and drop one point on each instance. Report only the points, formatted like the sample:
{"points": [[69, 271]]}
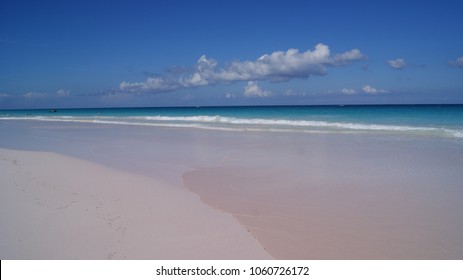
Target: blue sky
{"points": [[190, 53]]}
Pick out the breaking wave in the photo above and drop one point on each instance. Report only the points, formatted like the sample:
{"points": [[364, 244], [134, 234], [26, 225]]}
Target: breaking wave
{"points": [[218, 122]]}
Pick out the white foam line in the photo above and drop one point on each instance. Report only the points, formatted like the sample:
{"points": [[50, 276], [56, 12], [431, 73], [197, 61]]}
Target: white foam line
{"points": [[218, 122]]}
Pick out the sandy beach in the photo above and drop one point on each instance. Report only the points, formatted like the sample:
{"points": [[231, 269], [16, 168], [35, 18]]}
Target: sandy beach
{"points": [[123, 192], [57, 207]]}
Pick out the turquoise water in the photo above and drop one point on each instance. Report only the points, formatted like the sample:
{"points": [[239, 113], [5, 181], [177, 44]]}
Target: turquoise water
{"points": [[424, 120]]}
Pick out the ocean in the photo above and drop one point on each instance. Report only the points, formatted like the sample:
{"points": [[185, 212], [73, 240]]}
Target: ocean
{"points": [[414, 120]]}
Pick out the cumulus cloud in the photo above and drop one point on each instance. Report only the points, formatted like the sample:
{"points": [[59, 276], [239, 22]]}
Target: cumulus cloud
{"points": [[252, 89], [371, 90], [398, 63], [278, 66], [344, 58], [457, 62], [348, 91]]}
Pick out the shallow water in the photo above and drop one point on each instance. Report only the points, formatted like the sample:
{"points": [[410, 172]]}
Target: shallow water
{"points": [[406, 120]]}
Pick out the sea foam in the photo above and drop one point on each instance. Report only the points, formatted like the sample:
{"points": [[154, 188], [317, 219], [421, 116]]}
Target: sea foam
{"points": [[218, 122]]}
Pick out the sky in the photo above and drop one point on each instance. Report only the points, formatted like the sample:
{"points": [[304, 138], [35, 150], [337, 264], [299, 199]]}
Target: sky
{"points": [[74, 54]]}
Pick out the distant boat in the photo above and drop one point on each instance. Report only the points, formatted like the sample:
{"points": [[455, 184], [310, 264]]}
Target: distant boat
{"points": [[53, 110]]}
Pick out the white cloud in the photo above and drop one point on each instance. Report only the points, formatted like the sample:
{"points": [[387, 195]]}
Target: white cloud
{"points": [[398, 63], [278, 66], [348, 91], [4, 95], [63, 92], [230, 95], [252, 89], [160, 84], [371, 90], [457, 62], [349, 56], [203, 75], [283, 66]]}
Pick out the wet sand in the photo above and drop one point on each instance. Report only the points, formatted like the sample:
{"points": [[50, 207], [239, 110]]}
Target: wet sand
{"points": [[346, 198], [295, 195]]}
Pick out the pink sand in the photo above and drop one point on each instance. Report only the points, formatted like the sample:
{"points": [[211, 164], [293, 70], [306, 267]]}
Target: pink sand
{"points": [[57, 207]]}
